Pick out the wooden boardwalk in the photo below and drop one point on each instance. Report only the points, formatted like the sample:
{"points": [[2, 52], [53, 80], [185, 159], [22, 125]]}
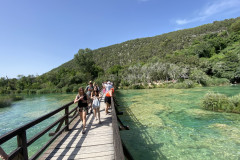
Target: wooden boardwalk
{"points": [[96, 143]]}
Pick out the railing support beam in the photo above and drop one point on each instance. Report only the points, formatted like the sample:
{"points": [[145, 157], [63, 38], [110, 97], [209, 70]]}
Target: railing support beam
{"points": [[66, 118], [22, 143]]}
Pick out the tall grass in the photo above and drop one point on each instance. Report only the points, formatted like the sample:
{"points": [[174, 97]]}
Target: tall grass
{"points": [[7, 100], [220, 102]]}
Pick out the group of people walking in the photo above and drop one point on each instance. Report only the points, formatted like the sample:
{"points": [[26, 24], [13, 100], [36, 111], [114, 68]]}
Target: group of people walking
{"points": [[89, 98]]}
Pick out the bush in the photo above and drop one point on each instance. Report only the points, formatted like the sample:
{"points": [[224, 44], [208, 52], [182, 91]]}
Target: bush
{"points": [[32, 92], [218, 81], [179, 85], [75, 89], [4, 102], [220, 102], [138, 86], [188, 84], [16, 98], [44, 91], [124, 83], [7, 101], [236, 101], [67, 89]]}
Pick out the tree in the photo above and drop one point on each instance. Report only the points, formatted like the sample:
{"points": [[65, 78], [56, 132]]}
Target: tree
{"points": [[235, 26]]}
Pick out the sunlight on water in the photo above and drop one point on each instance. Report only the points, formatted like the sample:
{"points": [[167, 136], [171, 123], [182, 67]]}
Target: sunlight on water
{"points": [[170, 124], [31, 108]]}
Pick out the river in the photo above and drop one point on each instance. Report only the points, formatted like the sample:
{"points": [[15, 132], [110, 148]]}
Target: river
{"points": [[164, 123], [170, 124], [27, 110]]}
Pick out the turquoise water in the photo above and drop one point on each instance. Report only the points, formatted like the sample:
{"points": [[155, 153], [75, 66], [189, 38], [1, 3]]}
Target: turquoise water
{"points": [[170, 124], [31, 108], [164, 123]]}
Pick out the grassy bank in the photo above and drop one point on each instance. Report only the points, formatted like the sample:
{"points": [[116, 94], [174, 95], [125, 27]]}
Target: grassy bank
{"points": [[185, 84]]}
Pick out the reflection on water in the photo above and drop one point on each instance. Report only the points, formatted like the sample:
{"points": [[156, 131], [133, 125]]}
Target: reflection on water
{"points": [[170, 124], [31, 108]]}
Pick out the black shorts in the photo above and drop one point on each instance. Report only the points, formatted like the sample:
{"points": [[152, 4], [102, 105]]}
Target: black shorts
{"points": [[83, 109], [107, 100]]}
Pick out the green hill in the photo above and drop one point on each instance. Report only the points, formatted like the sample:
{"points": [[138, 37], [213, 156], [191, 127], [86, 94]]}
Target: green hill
{"points": [[204, 55], [143, 49]]}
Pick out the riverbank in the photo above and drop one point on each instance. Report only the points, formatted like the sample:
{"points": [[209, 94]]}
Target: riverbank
{"points": [[185, 84]]}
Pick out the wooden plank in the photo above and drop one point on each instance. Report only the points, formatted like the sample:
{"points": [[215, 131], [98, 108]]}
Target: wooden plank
{"points": [[96, 143]]}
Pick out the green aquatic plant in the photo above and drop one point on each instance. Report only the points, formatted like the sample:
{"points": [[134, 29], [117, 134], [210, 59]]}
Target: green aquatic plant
{"points": [[16, 97], [169, 124], [236, 101], [4, 102], [220, 102], [7, 100]]}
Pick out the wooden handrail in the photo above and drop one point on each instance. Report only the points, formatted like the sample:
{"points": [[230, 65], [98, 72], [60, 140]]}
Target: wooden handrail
{"points": [[117, 142], [22, 150]]}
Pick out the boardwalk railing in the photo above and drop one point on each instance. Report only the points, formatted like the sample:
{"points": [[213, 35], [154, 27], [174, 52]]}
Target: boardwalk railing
{"points": [[117, 142], [21, 152], [22, 142]]}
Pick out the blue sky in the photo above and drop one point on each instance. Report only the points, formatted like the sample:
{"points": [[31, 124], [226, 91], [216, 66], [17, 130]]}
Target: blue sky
{"points": [[37, 36]]}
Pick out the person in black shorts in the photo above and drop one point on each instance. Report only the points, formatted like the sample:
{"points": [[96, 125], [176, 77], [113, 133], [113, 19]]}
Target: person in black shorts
{"points": [[107, 99], [82, 100]]}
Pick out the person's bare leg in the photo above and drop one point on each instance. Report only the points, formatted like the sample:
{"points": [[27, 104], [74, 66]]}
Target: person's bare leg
{"points": [[98, 111], [80, 113], [94, 112], [107, 106], [84, 120]]}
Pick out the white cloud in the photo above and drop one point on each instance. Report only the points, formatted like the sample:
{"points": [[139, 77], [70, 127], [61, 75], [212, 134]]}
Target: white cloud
{"points": [[211, 9], [219, 6], [184, 21]]}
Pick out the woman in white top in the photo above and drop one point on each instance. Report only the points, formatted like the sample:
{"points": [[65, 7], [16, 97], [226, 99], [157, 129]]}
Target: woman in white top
{"points": [[95, 96]]}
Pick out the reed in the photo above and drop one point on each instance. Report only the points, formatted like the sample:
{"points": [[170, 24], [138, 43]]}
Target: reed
{"points": [[220, 102], [7, 100]]}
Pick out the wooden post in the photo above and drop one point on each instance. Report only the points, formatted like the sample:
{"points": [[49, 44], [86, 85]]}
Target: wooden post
{"points": [[66, 118], [22, 142]]}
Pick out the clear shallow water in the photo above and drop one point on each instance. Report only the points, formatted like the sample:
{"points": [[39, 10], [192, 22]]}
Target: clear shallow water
{"points": [[170, 124], [31, 108]]}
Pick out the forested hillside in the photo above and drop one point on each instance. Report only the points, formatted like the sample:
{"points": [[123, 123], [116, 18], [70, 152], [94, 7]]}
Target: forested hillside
{"points": [[205, 55]]}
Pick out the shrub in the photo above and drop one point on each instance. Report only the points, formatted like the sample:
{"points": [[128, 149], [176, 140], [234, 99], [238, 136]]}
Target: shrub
{"points": [[124, 83], [236, 101], [4, 102], [75, 88], [188, 84], [7, 101], [218, 81], [179, 85], [220, 102], [137, 86], [32, 92], [67, 89], [16, 97], [44, 91]]}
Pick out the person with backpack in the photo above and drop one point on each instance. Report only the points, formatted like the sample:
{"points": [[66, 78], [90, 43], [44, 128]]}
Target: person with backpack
{"points": [[108, 100]]}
